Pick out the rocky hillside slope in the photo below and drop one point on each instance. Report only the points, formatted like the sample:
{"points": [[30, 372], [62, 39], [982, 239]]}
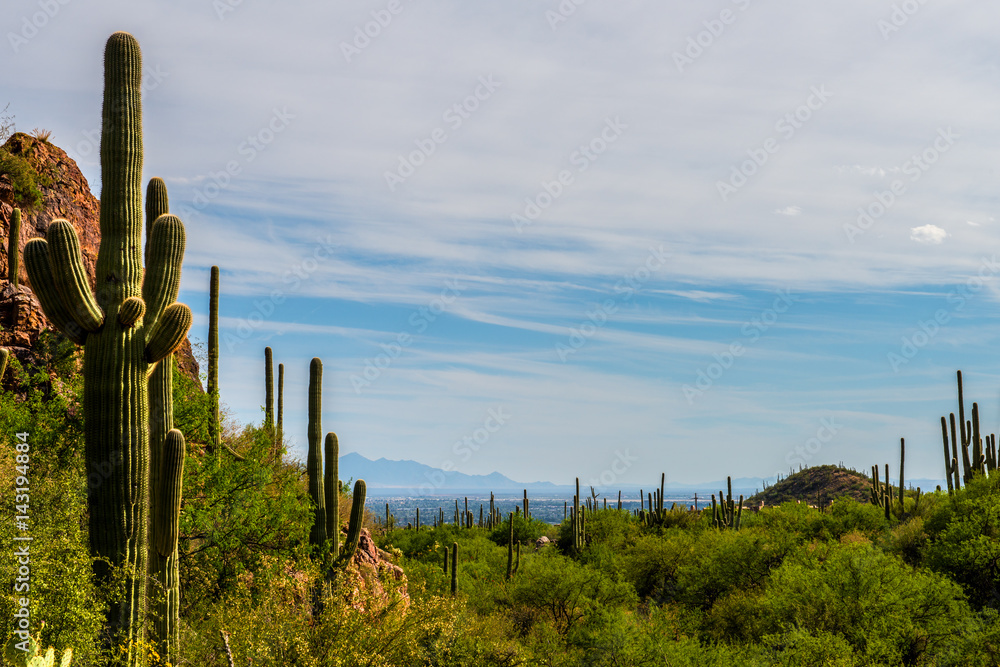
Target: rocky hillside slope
{"points": [[66, 194], [815, 486]]}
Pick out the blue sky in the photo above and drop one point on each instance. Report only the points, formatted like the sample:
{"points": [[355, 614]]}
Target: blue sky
{"points": [[716, 238]]}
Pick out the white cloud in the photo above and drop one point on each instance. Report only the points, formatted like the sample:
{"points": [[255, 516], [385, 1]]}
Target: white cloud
{"points": [[928, 234], [788, 210]]}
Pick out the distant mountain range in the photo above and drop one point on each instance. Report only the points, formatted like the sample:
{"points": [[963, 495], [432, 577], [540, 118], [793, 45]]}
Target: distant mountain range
{"points": [[409, 478], [385, 477]]}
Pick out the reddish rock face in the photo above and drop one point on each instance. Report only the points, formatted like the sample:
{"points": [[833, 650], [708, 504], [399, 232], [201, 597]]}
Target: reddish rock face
{"points": [[66, 195], [367, 571]]}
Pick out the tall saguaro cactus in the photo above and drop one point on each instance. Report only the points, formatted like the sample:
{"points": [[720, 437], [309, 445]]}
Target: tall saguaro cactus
{"points": [[331, 488], [166, 452], [129, 325], [314, 461], [13, 254], [268, 392], [214, 427], [279, 437]]}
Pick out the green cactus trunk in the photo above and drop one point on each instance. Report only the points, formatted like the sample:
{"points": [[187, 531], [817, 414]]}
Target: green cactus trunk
{"points": [[331, 488], [166, 462], [214, 426], [454, 568], [268, 392], [163, 557], [13, 252], [510, 549], [314, 462], [279, 437], [354, 527], [902, 460], [130, 324]]}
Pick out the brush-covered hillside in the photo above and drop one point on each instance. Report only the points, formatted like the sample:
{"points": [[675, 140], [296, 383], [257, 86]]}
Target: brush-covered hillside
{"points": [[818, 486]]}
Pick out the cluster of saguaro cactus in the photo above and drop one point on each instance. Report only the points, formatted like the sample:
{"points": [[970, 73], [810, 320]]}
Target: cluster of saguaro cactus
{"points": [[882, 495], [981, 460], [13, 254], [726, 513], [656, 514], [325, 489], [127, 325]]}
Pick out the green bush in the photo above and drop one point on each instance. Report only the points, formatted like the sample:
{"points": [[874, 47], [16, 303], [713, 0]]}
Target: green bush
{"points": [[964, 540], [888, 612], [24, 179], [525, 530]]}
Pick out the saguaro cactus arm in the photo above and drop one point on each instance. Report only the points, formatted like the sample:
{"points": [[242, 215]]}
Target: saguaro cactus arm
{"points": [[70, 277], [163, 273], [36, 263], [168, 332], [354, 527]]}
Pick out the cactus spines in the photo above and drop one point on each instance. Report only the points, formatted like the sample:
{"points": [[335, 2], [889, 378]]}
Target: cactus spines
{"points": [[117, 359], [454, 568], [163, 561], [13, 253], [445, 559], [268, 392], [354, 527], [314, 462], [331, 487], [214, 427]]}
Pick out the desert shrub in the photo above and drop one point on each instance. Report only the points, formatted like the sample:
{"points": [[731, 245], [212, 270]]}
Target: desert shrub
{"points": [[61, 588], [964, 540], [844, 516], [25, 180], [525, 530], [727, 561], [234, 515], [561, 591], [888, 612]]}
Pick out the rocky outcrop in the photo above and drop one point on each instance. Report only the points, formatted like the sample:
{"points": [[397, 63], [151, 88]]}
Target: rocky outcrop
{"points": [[65, 194], [374, 579]]}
